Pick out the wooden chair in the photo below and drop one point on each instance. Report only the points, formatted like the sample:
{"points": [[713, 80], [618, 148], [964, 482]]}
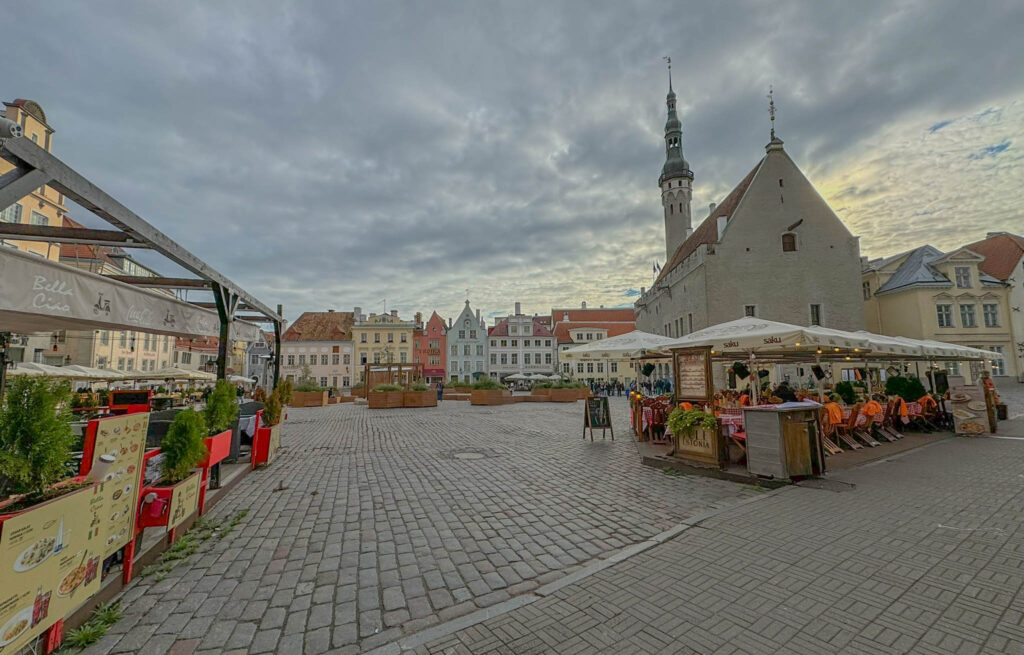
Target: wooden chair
{"points": [[844, 431], [888, 424], [828, 430], [858, 432]]}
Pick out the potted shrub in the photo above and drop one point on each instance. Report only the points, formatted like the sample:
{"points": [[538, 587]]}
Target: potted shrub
{"points": [[183, 448], [386, 396], [488, 391], [309, 394], [259, 395], [284, 391], [564, 392], [220, 415], [419, 395], [35, 442], [849, 394], [695, 436], [542, 389], [268, 432]]}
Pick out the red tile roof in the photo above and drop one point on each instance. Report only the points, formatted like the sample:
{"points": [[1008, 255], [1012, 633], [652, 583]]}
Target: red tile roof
{"points": [[501, 329], [86, 251], [320, 326], [614, 329], [600, 314], [707, 232], [1001, 252], [197, 344]]}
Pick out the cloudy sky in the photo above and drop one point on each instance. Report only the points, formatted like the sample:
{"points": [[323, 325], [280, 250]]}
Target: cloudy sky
{"points": [[339, 154]]}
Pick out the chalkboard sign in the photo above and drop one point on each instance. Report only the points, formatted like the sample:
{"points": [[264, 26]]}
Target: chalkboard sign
{"points": [[597, 415]]}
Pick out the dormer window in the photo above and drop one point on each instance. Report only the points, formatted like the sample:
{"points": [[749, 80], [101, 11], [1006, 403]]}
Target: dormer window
{"points": [[788, 242], [963, 277]]}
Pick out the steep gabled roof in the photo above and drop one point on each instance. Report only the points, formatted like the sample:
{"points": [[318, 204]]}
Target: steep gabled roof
{"points": [[1002, 252], [501, 329], [320, 326], [916, 270], [707, 231]]}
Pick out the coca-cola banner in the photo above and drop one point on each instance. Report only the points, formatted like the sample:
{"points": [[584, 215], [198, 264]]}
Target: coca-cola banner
{"points": [[38, 295]]}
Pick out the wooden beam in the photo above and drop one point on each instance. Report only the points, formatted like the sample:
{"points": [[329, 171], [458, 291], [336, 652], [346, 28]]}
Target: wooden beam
{"points": [[113, 238], [161, 282], [36, 167]]}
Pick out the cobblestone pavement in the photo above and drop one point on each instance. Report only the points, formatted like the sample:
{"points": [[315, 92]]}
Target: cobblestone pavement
{"points": [[920, 553], [375, 524]]}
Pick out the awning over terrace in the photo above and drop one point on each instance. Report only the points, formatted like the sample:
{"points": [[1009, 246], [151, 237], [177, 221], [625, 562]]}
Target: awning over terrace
{"points": [[39, 295]]}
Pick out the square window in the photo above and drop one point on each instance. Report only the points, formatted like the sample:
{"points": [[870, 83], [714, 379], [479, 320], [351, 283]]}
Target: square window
{"points": [[967, 318], [944, 315]]}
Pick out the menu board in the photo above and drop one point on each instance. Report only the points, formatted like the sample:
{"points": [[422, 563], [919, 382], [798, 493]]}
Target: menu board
{"points": [[692, 369], [597, 413], [123, 438], [50, 560], [275, 442], [970, 414], [184, 501]]}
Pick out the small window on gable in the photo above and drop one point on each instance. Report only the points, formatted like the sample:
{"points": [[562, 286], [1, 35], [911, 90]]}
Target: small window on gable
{"points": [[780, 181], [788, 242]]}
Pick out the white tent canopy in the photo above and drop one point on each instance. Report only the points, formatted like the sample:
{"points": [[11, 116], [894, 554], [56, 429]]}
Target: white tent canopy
{"points": [[631, 345], [749, 335], [175, 373], [36, 369], [90, 373], [240, 379], [517, 376]]}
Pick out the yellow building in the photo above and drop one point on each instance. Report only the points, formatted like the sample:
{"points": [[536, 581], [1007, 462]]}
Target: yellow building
{"points": [[381, 339], [44, 206], [580, 325], [928, 294]]}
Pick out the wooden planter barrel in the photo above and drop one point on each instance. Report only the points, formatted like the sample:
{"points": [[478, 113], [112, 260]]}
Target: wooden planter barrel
{"points": [[385, 399], [490, 397], [309, 399]]}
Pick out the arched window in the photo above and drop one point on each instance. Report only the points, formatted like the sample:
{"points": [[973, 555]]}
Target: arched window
{"points": [[788, 242], [680, 208], [670, 208]]}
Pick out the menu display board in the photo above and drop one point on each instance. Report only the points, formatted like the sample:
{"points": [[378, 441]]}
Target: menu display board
{"points": [[124, 439], [184, 501], [692, 370], [275, 442], [970, 413], [50, 560]]}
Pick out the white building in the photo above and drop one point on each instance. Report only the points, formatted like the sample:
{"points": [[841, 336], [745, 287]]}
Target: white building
{"points": [[519, 343]]}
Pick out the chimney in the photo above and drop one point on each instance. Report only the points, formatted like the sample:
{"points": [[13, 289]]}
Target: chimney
{"points": [[449, 323], [711, 208], [478, 316], [722, 222], [583, 305], [643, 290], [357, 311], [519, 309], [419, 319]]}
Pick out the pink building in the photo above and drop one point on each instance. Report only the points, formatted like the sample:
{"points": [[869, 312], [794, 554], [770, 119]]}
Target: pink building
{"points": [[429, 347]]}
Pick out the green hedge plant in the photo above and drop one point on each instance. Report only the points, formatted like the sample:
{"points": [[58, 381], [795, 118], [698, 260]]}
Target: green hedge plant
{"points": [[183, 447], [685, 421], [221, 408], [487, 384], [35, 434], [381, 388], [272, 409], [284, 390]]}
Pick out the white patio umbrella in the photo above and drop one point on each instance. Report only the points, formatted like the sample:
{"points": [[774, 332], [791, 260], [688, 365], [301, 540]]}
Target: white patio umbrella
{"points": [[555, 376], [175, 373], [517, 376], [538, 376], [756, 335], [239, 379]]}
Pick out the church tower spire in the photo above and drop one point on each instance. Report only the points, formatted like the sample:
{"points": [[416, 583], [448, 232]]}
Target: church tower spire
{"points": [[676, 180]]}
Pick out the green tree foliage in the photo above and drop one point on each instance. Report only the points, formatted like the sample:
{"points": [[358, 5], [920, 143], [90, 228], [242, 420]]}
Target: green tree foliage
{"points": [[184, 445], [221, 407], [487, 383], [907, 388], [35, 433], [846, 392], [284, 390], [272, 409]]}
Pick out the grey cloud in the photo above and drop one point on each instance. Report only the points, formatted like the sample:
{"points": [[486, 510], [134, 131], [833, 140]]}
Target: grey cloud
{"points": [[336, 154]]}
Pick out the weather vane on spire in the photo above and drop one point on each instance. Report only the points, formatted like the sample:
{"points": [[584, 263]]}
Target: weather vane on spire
{"points": [[668, 60], [771, 109]]}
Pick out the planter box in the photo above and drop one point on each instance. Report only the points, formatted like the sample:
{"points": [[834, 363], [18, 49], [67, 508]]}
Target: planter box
{"points": [[385, 399], [173, 503], [426, 398], [346, 399], [543, 393], [218, 447], [564, 395], [490, 397], [265, 445], [309, 399]]}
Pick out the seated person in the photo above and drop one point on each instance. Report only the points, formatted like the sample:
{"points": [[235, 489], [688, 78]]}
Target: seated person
{"points": [[784, 392]]}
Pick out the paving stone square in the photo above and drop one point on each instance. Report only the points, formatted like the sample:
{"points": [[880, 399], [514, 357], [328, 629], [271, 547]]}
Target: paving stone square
{"points": [[375, 524]]}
